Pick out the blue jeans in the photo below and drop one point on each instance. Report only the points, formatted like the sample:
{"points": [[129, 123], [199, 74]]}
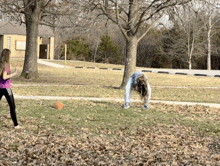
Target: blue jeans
{"points": [[128, 88]]}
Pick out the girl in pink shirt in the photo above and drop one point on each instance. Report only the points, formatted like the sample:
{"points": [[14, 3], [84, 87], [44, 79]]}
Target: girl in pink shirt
{"points": [[5, 84]]}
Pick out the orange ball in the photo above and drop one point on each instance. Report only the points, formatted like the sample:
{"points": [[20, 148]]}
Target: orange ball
{"points": [[59, 105]]}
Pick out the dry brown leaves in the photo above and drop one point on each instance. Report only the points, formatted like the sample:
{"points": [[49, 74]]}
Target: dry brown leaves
{"points": [[124, 146], [161, 145]]}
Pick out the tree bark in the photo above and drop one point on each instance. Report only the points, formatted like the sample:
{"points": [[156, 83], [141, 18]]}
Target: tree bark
{"points": [[131, 42], [190, 64], [189, 58], [32, 15], [130, 61], [190, 52], [209, 45]]}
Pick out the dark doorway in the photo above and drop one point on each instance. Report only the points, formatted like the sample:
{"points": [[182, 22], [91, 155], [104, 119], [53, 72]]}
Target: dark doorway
{"points": [[43, 51]]}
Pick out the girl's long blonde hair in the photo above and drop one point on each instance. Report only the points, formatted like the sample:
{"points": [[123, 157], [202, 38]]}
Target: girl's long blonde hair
{"points": [[4, 59], [142, 87]]}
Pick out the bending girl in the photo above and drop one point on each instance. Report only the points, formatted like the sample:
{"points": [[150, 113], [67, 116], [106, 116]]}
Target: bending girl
{"points": [[138, 81], [5, 84]]}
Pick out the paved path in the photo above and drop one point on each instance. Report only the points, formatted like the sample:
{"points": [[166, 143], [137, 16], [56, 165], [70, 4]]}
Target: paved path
{"points": [[40, 61], [67, 85], [61, 85], [111, 99]]}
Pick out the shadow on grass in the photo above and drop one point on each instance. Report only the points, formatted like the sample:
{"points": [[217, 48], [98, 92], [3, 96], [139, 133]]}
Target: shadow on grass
{"points": [[114, 87], [53, 106]]}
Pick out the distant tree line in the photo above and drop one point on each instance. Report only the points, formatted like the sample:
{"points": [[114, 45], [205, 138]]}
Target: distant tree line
{"points": [[190, 41], [160, 48]]}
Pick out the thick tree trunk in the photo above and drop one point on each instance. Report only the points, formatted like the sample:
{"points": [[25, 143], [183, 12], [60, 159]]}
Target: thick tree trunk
{"points": [[32, 15], [130, 61], [30, 70]]}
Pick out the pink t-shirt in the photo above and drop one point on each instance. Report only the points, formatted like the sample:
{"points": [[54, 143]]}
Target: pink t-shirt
{"points": [[5, 83]]}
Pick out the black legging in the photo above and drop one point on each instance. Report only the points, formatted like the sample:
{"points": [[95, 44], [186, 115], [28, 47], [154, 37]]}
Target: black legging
{"points": [[10, 98]]}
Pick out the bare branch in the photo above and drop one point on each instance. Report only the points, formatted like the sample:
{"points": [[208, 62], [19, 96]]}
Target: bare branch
{"points": [[120, 26], [48, 2], [148, 29]]}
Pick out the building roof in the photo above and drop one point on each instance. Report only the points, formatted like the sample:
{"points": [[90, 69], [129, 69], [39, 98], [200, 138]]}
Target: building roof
{"points": [[14, 28]]}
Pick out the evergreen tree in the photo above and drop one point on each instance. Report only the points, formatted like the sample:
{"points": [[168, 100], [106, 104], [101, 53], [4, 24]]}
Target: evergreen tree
{"points": [[77, 49], [108, 51]]}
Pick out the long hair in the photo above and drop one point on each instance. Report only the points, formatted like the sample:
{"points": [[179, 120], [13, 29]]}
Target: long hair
{"points": [[4, 59], [142, 87]]}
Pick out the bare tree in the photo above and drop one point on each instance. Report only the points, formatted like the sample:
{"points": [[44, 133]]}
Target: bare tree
{"points": [[210, 8], [71, 22], [93, 37], [188, 20], [33, 13], [130, 16]]}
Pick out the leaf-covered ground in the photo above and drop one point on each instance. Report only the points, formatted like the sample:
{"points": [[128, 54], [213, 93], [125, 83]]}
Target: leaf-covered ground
{"points": [[138, 146], [105, 134]]}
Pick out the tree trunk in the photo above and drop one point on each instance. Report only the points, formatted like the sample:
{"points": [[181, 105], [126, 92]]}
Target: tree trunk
{"points": [[30, 69], [190, 65], [189, 58], [209, 45], [96, 48], [190, 54], [130, 61]]}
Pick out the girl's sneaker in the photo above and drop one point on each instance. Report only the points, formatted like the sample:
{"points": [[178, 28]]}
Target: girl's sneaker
{"points": [[146, 106], [127, 105], [18, 127]]}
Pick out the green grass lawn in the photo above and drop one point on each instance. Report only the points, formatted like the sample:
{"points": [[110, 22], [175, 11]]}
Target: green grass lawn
{"points": [[95, 114], [102, 83], [167, 94], [73, 76], [103, 133]]}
